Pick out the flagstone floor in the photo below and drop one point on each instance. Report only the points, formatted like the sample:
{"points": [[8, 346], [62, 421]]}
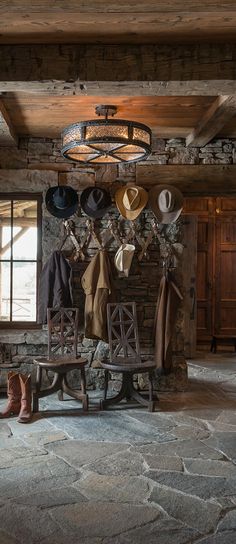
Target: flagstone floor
{"points": [[126, 476]]}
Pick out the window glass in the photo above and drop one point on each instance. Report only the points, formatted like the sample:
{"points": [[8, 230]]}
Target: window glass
{"points": [[24, 230], [24, 291], [5, 298], [19, 258]]}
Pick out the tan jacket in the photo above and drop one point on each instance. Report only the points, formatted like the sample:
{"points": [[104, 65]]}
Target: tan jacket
{"points": [[168, 302], [96, 283]]}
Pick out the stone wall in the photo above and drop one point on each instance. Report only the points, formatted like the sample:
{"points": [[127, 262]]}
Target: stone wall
{"points": [[36, 165], [38, 153]]}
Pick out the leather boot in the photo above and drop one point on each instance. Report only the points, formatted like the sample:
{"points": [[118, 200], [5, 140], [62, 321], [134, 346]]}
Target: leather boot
{"points": [[14, 396], [25, 414]]}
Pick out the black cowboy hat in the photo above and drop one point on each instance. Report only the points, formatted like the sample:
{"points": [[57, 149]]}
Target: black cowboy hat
{"points": [[95, 201], [61, 201]]}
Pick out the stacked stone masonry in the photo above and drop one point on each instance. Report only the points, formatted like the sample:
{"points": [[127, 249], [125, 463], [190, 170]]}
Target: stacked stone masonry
{"points": [[34, 153]]}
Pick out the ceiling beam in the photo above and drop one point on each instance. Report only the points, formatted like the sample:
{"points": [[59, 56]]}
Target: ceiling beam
{"points": [[8, 137], [119, 69], [124, 88], [214, 119], [131, 21], [98, 6]]}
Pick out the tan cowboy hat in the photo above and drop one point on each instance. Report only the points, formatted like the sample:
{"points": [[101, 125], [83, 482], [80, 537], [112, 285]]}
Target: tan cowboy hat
{"points": [[131, 200], [166, 202], [123, 258]]}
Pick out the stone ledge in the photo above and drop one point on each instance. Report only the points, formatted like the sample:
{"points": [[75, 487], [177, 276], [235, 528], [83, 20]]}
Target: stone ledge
{"points": [[22, 336]]}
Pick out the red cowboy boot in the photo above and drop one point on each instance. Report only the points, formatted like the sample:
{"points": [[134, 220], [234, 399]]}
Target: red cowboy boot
{"points": [[25, 414], [14, 395]]}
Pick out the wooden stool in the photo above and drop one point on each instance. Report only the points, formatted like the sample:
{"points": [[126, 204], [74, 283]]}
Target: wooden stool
{"points": [[60, 367], [62, 357], [127, 390], [125, 356]]}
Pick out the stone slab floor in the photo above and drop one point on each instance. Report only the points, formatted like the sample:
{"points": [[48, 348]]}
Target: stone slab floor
{"points": [[126, 476]]}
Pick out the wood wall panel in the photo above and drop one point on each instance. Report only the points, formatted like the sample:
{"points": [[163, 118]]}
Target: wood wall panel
{"points": [[228, 232], [189, 271], [201, 321], [227, 283], [195, 204], [201, 275], [203, 235], [227, 318], [227, 204]]}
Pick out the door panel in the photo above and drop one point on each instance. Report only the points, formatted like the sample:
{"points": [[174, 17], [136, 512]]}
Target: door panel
{"points": [[225, 301], [216, 265], [189, 282], [226, 204], [204, 276]]}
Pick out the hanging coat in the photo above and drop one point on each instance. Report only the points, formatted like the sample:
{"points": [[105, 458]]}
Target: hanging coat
{"points": [[55, 285], [97, 285], [168, 302]]}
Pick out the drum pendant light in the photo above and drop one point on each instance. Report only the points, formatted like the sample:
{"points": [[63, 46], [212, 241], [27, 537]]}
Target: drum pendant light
{"points": [[106, 140]]}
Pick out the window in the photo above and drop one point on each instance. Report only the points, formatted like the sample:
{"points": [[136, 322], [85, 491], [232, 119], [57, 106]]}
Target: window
{"points": [[20, 258]]}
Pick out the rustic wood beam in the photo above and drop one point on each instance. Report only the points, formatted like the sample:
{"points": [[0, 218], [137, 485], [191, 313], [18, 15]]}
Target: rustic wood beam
{"points": [[99, 6], [124, 88], [205, 179], [214, 119], [8, 137], [116, 22], [119, 69]]}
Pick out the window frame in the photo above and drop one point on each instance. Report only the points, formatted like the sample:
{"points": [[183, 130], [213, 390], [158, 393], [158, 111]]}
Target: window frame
{"points": [[12, 196]]}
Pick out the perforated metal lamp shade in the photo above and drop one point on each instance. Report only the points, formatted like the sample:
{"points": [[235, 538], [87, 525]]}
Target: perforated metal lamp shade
{"points": [[106, 141]]}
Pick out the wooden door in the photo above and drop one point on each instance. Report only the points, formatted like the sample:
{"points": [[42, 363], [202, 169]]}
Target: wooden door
{"points": [[205, 271], [203, 209], [189, 283], [225, 268], [216, 265]]}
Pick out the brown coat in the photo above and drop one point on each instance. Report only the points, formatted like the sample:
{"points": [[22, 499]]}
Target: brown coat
{"points": [[96, 283], [168, 302]]}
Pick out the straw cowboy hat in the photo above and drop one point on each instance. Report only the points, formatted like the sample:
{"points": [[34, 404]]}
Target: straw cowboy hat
{"points": [[123, 258], [166, 203], [131, 200], [95, 201], [61, 201]]}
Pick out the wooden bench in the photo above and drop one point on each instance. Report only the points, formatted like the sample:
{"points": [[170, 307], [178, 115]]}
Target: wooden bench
{"points": [[223, 340]]}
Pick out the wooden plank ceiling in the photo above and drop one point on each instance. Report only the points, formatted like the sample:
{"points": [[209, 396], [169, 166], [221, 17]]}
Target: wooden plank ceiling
{"points": [[147, 69], [131, 21], [168, 117], [42, 116]]}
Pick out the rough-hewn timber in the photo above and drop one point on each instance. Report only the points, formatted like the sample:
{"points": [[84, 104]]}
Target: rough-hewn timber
{"points": [[8, 136], [119, 69], [190, 179], [215, 118]]}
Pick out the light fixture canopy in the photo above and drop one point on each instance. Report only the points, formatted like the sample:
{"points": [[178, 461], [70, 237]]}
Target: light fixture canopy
{"points": [[103, 141]]}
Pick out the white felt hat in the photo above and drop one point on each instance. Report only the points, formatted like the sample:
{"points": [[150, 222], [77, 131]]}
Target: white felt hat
{"points": [[123, 258], [166, 202]]}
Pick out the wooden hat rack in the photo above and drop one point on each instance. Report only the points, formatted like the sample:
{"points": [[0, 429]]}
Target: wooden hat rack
{"points": [[168, 250]]}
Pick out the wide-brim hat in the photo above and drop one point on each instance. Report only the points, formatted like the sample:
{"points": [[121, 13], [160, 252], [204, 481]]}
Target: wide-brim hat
{"points": [[95, 201], [166, 203], [123, 258], [61, 201], [131, 200]]}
